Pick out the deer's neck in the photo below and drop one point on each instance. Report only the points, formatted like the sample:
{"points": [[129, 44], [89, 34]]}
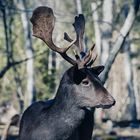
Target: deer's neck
{"points": [[64, 115], [68, 114]]}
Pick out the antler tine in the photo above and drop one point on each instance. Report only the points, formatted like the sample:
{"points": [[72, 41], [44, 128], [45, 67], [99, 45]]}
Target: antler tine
{"points": [[82, 62], [79, 26], [43, 21], [93, 58], [92, 49], [66, 37], [62, 51], [91, 61], [87, 60], [76, 55], [66, 49], [88, 57]]}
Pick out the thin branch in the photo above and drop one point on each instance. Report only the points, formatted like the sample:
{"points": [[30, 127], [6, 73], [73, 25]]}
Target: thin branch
{"points": [[5, 24], [11, 64]]}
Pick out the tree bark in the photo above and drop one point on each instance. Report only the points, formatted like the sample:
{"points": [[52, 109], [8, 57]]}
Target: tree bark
{"points": [[106, 29], [136, 91], [97, 29], [5, 13], [29, 96], [79, 6], [131, 111]]}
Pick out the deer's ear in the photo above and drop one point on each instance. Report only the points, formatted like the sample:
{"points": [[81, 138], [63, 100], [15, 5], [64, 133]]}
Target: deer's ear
{"points": [[97, 70], [78, 75]]}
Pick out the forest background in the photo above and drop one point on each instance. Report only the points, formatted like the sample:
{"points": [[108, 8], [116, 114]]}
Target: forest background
{"points": [[29, 71]]}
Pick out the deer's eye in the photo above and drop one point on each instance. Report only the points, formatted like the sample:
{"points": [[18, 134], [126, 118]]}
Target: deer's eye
{"points": [[85, 82]]}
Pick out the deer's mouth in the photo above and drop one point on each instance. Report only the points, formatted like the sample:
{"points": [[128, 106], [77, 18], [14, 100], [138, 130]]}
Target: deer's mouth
{"points": [[106, 106], [106, 102]]}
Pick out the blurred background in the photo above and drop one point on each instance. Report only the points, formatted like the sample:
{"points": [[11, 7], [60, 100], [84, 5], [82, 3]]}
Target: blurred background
{"points": [[30, 72]]}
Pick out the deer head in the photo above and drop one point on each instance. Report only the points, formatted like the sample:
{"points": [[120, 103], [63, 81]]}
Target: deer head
{"points": [[81, 81]]}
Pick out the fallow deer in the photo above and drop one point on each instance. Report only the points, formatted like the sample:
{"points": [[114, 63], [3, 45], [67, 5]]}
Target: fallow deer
{"points": [[66, 116]]}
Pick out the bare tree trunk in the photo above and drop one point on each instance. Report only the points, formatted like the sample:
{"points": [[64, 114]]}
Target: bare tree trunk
{"points": [[79, 6], [131, 112], [5, 13], [106, 29], [103, 36], [19, 90], [97, 29], [7, 21], [30, 93], [136, 92], [53, 58], [50, 62]]}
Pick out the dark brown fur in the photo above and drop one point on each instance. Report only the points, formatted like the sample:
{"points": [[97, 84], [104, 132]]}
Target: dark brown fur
{"points": [[67, 117]]}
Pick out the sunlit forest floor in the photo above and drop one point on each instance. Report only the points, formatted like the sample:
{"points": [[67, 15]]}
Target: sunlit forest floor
{"points": [[116, 133]]}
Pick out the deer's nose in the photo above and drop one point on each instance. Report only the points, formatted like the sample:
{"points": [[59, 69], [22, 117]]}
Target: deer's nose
{"points": [[108, 101], [114, 102]]}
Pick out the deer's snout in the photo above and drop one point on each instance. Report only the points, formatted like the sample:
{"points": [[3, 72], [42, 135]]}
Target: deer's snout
{"points": [[111, 100], [106, 102]]}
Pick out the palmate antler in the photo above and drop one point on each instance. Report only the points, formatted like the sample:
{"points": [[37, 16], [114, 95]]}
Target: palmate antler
{"points": [[43, 21], [43, 24], [79, 26]]}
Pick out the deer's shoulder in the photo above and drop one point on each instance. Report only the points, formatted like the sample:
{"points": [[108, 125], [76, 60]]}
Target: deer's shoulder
{"points": [[36, 109]]}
